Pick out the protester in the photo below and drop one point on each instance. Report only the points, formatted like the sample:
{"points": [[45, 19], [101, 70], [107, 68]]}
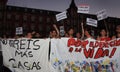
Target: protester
{"points": [[54, 33], [103, 36], [117, 32], [37, 35], [87, 34], [66, 34], [80, 36], [70, 32], [29, 35]]}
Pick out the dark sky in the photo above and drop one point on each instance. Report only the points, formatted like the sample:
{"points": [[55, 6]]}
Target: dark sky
{"points": [[112, 6]]}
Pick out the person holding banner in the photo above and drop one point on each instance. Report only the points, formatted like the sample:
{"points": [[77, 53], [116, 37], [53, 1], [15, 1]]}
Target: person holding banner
{"points": [[117, 32], [88, 34], [103, 36], [29, 35], [71, 32], [55, 32], [78, 35]]}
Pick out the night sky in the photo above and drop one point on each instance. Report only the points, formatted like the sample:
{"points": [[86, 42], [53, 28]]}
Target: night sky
{"points": [[112, 6]]}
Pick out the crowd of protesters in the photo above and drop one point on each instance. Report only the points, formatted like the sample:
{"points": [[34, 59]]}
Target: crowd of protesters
{"points": [[70, 33]]}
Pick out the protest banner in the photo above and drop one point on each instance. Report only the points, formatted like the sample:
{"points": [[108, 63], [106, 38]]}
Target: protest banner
{"points": [[102, 14], [92, 22], [61, 16], [83, 8], [19, 30], [72, 55], [26, 55]]}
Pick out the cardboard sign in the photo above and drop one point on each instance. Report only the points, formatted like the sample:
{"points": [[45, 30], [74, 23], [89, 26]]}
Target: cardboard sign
{"points": [[61, 16], [62, 32], [83, 9], [92, 22], [19, 30], [102, 14]]}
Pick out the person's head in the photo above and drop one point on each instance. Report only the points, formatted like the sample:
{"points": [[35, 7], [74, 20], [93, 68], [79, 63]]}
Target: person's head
{"points": [[118, 35], [29, 35], [103, 32], [53, 33], [78, 35], [66, 35], [37, 35], [70, 31], [87, 33], [118, 29]]}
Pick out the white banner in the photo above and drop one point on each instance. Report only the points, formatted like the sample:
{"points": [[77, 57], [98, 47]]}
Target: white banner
{"points": [[72, 55], [61, 16], [92, 22], [102, 14], [83, 9], [26, 55], [19, 30]]}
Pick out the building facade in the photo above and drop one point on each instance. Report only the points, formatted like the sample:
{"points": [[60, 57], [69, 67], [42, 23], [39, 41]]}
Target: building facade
{"points": [[42, 20]]}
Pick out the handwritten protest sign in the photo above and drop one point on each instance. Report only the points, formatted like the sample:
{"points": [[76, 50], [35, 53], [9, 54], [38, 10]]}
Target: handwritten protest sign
{"points": [[61, 16], [92, 22], [19, 30], [102, 14], [26, 55], [83, 8], [72, 55]]}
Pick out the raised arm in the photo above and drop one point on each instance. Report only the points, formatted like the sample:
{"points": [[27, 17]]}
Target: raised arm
{"points": [[82, 31], [58, 33]]}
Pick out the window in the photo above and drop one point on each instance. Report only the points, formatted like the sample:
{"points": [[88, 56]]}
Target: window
{"points": [[40, 27], [9, 8], [48, 20], [32, 26], [32, 18], [33, 11], [24, 17], [41, 11], [25, 26], [16, 24], [1, 7], [40, 19], [0, 15], [8, 16], [17, 17], [48, 28], [25, 9]]}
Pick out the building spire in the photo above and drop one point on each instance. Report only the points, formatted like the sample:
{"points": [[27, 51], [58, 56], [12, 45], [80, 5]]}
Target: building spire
{"points": [[72, 4]]}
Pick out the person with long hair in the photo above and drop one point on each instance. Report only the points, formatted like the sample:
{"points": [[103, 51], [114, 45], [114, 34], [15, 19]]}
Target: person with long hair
{"points": [[54, 33], [117, 35], [103, 36]]}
